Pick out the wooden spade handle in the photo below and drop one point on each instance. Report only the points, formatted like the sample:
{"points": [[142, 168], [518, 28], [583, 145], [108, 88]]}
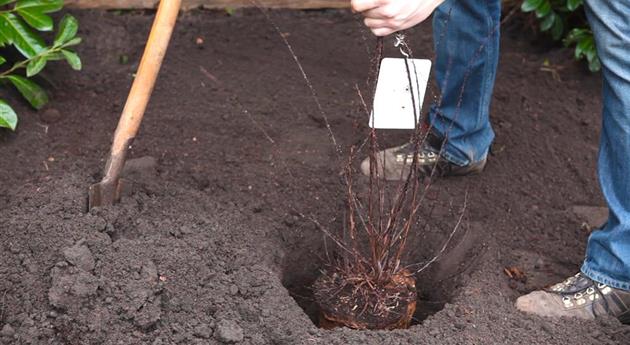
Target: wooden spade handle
{"points": [[144, 82]]}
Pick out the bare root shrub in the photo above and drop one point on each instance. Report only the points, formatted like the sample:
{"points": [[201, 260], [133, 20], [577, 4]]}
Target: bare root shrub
{"points": [[365, 285]]}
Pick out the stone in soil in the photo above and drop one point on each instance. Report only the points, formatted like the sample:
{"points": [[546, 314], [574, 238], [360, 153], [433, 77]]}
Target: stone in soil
{"points": [[148, 316], [7, 331], [50, 116], [203, 331], [80, 256], [70, 286], [229, 332]]}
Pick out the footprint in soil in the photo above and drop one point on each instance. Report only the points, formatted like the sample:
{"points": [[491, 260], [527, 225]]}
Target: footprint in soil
{"points": [[537, 271]]}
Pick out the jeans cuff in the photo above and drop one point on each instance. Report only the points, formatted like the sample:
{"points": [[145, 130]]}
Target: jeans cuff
{"points": [[451, 158], [458, 161], [604, 278]]}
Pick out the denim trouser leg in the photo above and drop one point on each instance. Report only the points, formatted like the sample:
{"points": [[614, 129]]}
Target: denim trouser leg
{"points": [[608, 250], [466, 38]]}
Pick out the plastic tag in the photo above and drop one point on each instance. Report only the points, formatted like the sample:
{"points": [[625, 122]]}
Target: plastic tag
{"points": [[393, 106]]}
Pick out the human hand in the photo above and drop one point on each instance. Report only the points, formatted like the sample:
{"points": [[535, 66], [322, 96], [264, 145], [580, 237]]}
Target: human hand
{"points": [[385, 17]]}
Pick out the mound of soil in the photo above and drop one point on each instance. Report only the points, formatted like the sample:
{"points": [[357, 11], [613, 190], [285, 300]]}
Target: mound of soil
{"points": [[217, 243]]}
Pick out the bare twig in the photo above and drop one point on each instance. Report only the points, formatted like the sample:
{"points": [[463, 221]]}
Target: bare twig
{"points": [[450, 237], [304, 76], [217, 82]]}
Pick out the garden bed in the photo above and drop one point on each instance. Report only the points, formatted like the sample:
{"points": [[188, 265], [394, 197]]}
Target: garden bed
{"points": [[216, 245]]}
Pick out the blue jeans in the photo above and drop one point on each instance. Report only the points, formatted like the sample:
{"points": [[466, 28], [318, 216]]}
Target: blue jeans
{"points": [[466, 37], [608, 250]]}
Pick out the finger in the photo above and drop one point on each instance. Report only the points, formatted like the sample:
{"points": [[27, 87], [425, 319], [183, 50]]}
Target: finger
{"points": [[375, 23], [378, 13], [364, 5], [383, 31]]}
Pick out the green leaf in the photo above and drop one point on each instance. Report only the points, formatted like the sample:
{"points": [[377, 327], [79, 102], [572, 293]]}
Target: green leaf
{"points": [[73, 59], [55, 56], [530, 5], [42, 6], [594, 65], [544, 9], [579, 50], [589, 49], [67, 30], [33, 93], [4, 40], [572, 5], [548, 22], [37, 20], [73, 42], [4, 2], [576, 35], [558, 29], [2, 60], [582, 47], [8, 117], [20, 35], [35, 66]]}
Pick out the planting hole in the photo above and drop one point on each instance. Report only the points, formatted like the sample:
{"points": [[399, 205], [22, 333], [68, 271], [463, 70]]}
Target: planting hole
{"points": [[436, 285]]}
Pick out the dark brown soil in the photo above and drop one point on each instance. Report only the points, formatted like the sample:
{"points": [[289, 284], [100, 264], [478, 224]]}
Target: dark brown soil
{"points": [[212, 246]]}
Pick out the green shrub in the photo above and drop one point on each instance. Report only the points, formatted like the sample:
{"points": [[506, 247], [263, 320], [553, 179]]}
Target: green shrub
{"points": [[564, 19], [20, 22]]}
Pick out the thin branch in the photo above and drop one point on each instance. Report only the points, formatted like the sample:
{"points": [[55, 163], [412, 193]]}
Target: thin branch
{"points": [[450, 237]]}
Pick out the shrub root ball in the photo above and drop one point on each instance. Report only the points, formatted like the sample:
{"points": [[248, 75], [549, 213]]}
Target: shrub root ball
{"points": [[357, 303]]}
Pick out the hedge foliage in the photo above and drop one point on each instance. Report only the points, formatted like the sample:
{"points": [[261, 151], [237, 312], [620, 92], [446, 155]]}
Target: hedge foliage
{"points": [[21, 22], [565, 20]]}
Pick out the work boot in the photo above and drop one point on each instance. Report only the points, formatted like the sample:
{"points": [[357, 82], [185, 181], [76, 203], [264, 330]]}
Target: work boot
{"points": [[578, 297], [397, 160]]}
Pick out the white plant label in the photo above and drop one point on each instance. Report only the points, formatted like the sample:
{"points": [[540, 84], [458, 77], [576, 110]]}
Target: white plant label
{"points": [[393, 106]]}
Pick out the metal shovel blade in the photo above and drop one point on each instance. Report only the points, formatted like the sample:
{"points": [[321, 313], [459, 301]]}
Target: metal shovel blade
{"points": [[108, 192], [104, 193]]}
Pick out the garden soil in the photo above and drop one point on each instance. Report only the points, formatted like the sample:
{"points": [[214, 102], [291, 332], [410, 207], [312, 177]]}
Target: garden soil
{"points": [[220, 239]]}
